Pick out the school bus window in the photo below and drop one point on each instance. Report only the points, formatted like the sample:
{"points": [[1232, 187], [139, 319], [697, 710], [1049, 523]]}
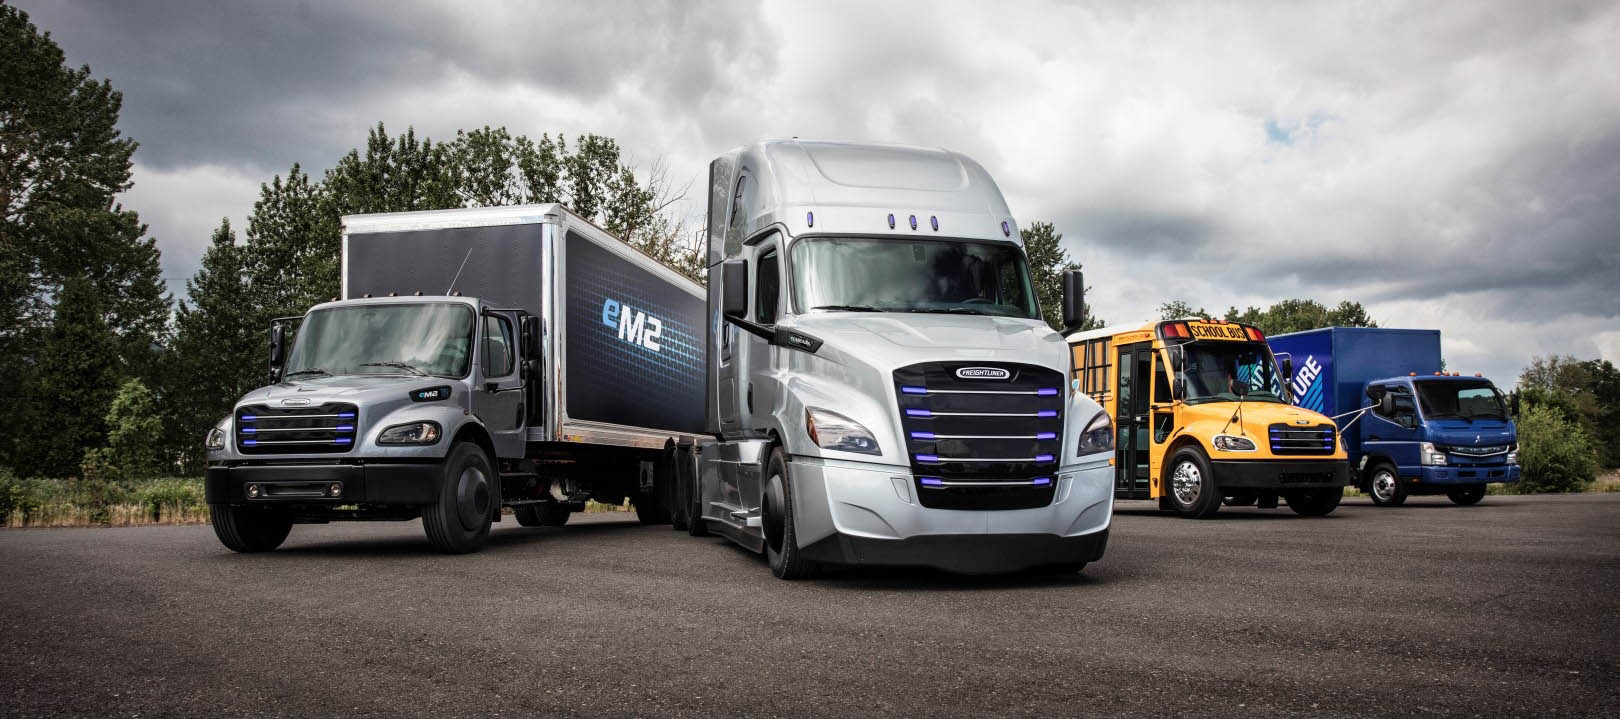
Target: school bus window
{"points": [[1161, 382]]}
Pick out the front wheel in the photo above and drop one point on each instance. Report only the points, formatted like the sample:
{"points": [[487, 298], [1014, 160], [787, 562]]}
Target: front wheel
{"points": [[459, 522], [781, 541], [249, 529], [1191, 485], [1385, 487], [1314, 502], [1468, 495]]}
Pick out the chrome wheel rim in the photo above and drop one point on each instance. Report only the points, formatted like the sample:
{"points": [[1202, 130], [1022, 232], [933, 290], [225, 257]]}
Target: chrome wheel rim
{"points": [[1383, 485], [1187, 482]]}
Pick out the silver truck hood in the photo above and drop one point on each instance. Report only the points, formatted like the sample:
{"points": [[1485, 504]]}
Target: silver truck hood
{"points": [[891, 340], [349, 388]]}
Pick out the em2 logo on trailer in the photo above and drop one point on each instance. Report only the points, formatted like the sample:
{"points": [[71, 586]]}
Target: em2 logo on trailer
{"points": [[633, 325]]}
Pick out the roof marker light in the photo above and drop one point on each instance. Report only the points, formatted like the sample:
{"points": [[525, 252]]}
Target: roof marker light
{"points": [[913, 222], [810, 219], [934, 221], [914, 390], [891, 220]]}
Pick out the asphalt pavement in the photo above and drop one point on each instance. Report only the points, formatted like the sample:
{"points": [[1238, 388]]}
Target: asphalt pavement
{"points": [[1509, 608]]}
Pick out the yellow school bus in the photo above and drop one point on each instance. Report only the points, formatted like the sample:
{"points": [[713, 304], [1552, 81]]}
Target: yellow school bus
{"points": [[1201, 419]]}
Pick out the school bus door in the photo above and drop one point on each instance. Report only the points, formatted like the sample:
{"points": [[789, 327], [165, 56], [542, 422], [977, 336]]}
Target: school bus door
{"points": [[1131, 448]]}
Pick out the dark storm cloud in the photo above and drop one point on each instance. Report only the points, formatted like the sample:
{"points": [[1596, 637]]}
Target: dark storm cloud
{"points": [[265, 84]]}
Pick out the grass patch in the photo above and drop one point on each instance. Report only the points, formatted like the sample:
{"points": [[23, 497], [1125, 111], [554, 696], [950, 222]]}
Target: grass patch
{"points": [[93, 502]]}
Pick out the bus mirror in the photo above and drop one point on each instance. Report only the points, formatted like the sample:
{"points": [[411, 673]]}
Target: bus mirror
{"points": [[531, 336], [734, 288], [1386, 405], [278, 346], [1074, 300]]}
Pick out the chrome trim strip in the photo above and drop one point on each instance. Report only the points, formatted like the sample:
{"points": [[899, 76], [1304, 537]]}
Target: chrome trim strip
{"points": [[986, 483]]}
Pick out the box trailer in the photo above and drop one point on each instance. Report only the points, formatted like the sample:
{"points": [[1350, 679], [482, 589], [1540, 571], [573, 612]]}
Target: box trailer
{"points": [[478, 358], [1408, 426]]}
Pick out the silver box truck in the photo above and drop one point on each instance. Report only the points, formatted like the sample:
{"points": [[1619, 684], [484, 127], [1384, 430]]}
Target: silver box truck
{"points": [[880, 382], [479, 358]]}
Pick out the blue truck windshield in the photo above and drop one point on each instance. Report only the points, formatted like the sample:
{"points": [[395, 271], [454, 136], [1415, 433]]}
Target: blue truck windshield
{"points": [[1451, 399], [1215, 371], [430, 339], [896, 275]]}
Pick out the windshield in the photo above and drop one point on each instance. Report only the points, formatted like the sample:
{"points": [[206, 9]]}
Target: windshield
{"points": [[1460, 400], [429, 339], [1214, 371], [894, 275]]}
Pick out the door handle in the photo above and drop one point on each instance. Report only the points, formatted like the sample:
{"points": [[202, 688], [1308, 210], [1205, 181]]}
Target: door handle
{"points": [[492, 387], [1373, 438]]}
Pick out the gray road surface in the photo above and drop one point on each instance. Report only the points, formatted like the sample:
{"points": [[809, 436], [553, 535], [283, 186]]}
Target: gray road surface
{"points": [[1508, 608]]}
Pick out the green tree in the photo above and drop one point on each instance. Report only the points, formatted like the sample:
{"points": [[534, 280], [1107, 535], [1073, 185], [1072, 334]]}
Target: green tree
{"points": [[1177, 309], [62, 163], [395, 175], [134, 433], [1555, 454], [73, 388], [1043, 245], [1584, 392], [293, 242], [218, 351], [1298, 315]]}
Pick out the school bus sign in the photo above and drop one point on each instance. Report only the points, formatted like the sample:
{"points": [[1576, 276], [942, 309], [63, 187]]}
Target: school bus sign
{"points": [[1217, 331]]}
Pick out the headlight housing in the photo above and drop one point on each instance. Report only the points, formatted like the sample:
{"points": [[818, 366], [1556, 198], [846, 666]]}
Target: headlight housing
{"points": [[216, 436], [1098, 436], [412, 433], [1233, 443], [831, 430], [1430, 456], [1513, 457]]}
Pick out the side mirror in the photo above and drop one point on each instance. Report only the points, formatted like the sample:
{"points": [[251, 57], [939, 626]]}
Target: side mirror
{"points": [[1513, 403], [1074, 300], [278, 346], [1386, 405], [1288, 368], [734, 288], [531, 337]]}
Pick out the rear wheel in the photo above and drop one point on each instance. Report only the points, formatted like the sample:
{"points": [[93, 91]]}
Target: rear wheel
{"points": [[249, 529], [1384, 485], [1467, 495], [781, 542], [459, 522], [1314, 502], [1191, 485]]}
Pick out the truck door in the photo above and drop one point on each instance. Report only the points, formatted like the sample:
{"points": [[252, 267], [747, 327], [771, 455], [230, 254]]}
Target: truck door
{"points": [[1395, 435], [759, 388], [498, 392], [1131, 466]]}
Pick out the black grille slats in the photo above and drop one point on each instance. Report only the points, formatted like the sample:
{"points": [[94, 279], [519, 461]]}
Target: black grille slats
{"points": [[982, 443], [1293, 439], [330, 428]]}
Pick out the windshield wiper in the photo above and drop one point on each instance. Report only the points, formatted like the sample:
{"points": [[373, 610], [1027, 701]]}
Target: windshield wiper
{"points": [[397, 365], [312, 370], [947, 310], [847, 308]]}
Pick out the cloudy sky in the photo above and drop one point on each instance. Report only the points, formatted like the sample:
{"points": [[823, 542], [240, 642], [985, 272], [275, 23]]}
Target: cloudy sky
{"points": [[1451, 165]]}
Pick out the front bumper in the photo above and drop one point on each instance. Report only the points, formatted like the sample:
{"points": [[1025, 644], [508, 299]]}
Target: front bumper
{"points": [[1281, 475], [392, 483], [1469, 474], [856, 513]]}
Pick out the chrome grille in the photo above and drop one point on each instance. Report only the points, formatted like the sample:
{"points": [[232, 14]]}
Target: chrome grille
{"points": [[1293, 439], [330, 428]]}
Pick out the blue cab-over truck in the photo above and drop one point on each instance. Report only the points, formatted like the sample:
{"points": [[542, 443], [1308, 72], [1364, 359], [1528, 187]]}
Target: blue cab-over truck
{"points": [[1425, 430]]}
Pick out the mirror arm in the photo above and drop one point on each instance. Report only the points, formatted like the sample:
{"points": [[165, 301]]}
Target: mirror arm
{"points": [[778, 336]]}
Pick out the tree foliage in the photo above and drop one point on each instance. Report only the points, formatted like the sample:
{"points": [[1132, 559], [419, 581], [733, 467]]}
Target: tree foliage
{"points": [[1555, 454], [1178, 309], [71, 390], [1043, 245], [1298, 315], [134, 434], [1586, 393]]}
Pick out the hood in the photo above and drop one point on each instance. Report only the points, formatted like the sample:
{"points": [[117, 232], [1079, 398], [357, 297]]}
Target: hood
{"points": [[348, 388], [1257, 417], [1479, 433], [890, 340]]}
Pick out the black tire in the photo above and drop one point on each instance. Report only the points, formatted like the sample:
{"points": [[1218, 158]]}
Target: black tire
{"points": [[696, 525], [249, 529], [459, 522], [679, 507], [776, 515], [1467, 495], [1314, 502], [549, 514], [1384, 485], [1242, 499], [1190, 484]]}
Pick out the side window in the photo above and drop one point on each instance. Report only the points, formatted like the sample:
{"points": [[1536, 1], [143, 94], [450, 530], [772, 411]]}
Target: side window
{"points": [[739, 214], [1161, 380], [498, 347], [767, 288], [1404, 412]]}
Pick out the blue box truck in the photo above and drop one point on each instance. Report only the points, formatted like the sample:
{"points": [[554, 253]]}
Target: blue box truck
{"points": [[1424, 430]]}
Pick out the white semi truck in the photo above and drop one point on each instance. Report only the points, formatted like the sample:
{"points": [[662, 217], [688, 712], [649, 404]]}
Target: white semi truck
{"points": [[479, 358], [880, 382]]}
